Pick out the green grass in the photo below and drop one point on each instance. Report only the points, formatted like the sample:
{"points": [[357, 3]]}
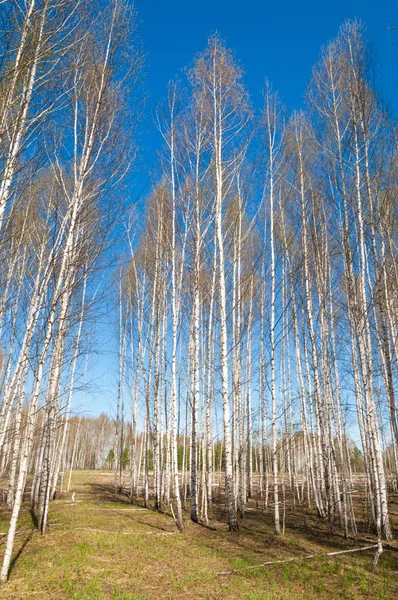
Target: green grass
{"points": [[104, 548]]}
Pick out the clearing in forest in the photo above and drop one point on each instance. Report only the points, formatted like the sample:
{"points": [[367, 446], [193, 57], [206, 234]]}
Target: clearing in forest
{"points": [[103, 547]]}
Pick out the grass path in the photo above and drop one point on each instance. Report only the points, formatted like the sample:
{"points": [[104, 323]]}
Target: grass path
{"points": [[102, 547]]}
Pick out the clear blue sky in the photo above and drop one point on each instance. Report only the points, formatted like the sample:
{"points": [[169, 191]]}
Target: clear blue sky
{"points": [[277, 39], [280, 40]]}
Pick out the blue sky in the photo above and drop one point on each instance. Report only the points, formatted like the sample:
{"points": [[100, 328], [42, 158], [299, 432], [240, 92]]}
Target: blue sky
{"points": [[280, 40]]}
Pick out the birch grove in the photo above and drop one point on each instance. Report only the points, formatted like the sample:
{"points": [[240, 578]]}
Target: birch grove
{"points": [[63, 106], [257, 297]]}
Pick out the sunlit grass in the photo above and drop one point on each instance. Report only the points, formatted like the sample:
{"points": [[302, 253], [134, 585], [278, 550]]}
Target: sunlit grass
{"points": [[98, 549]]}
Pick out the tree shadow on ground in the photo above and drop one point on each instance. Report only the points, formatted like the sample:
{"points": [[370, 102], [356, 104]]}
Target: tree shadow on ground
{"points": [[256, 540], [256, 535], [34, 518], [152, 526], [106, 493], [19, 553]]}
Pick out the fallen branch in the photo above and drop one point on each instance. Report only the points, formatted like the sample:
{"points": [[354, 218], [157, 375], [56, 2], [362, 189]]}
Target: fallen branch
{"points": [[21, 531], [117, 509], [299, 558], [125, 532]]}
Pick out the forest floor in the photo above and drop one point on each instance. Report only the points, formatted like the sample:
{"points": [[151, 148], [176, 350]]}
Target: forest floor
{"points": [[102, 547]]}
